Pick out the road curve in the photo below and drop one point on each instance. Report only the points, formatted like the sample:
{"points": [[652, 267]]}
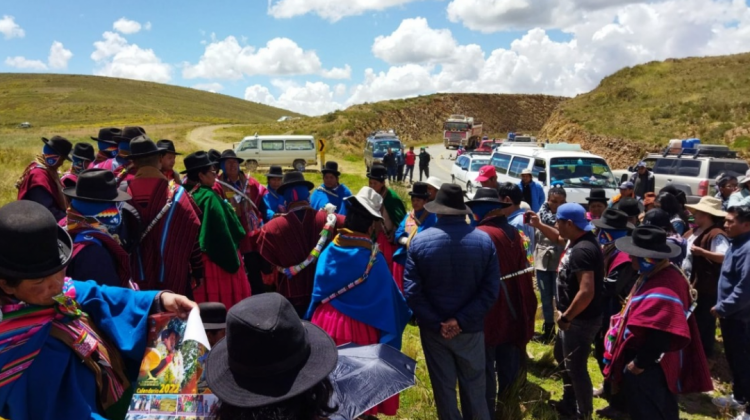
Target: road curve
{"points": [[203, 137]]}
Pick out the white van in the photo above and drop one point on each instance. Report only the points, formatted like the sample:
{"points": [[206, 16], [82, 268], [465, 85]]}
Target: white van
{"points": [[562, 164], [295, 151]]}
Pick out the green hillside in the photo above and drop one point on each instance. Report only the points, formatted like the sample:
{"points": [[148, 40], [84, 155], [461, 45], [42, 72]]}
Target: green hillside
{"points": [[55, 100]]}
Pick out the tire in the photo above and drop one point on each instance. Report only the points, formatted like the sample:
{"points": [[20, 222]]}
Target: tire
{"points": [[251, 165], [469, 188], [299, 165]]}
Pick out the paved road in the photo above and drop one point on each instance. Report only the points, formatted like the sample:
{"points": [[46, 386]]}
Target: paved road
{"points": [[440, 164]]}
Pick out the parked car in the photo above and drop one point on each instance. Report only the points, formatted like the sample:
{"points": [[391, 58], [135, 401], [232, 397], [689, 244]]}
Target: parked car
{"points": [[377, 146], [465, 170], [24, 125], [294, 151], [488, 146], [697, 169]]}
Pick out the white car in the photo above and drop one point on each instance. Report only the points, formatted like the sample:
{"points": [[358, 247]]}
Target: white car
{"points": [[466, 170]]}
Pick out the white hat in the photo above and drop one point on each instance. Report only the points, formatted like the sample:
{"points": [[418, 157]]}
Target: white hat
{"points": [[369, 200], [526, 171], [434, 182], [745, 179], [710, 205]]}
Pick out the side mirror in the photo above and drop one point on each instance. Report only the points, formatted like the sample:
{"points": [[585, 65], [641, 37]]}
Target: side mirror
{"points": [[542, 177]]}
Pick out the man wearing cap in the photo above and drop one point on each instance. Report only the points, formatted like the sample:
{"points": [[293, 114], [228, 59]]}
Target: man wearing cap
{"points": [[509, 325], [168, 254], [106, 144], [273, 201], [93, 216], [291, 243], [653, 352], [82, 157], [726, 185], [424, 163], [39, 181], [487, 177], [331, 191], [451, 313], [643, 180], [742, 196], [580, 283], [706, 247], [354, 298], [250, 212], [626, 191], [167, 160], [393, 211], [416, 221], [214, 317], [121, 165], [533, 192]]}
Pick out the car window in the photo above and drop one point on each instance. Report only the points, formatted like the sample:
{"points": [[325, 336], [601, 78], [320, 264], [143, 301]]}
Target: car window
{"points": [[735, 168], [477, 164], [687, 167], [581, 172], [272, 145], [650, 162], [501, 162], [299, 145], [518, 165], [539, 166], [664, 166], [249, 144]]}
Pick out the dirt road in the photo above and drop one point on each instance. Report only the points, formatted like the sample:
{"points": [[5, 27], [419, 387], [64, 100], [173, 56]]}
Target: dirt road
{"points": [[203, 137]]}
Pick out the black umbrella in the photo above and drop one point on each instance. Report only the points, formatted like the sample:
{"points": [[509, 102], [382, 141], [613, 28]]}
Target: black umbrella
{"points": [[368, 375]]}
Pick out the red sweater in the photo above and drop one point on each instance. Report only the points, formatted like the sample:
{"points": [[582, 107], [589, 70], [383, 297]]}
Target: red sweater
{"points": [[411, 158]]}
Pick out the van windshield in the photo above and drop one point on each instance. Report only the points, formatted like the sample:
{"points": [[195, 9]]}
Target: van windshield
{"points": [[581, 172], [384, 145], [455, 126]]}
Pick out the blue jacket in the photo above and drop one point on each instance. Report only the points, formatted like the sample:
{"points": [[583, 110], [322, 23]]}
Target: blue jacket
{"points": [[734, 282], [537, 195], [451, 271], [275, 203]]}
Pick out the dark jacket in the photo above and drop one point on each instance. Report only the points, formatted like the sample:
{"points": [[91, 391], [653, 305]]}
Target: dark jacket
{"points": [[389, 160], [734, 284], [645, 183], [451, 271], [424, 159]]}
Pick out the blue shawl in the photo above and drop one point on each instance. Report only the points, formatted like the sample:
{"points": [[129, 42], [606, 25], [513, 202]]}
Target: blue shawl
{"points": [[399, 256], [322, 196]]}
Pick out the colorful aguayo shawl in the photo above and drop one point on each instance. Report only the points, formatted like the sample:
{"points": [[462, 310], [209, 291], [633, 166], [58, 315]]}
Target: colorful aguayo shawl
{"points": [[412, 224], [37, 174]]}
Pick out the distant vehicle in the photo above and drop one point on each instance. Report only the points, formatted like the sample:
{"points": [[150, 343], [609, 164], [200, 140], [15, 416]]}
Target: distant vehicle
{"points": [[24, 125], [460, 130], [466, 170], [377, 145], [294, 151], [285, 118], [488, 145]]}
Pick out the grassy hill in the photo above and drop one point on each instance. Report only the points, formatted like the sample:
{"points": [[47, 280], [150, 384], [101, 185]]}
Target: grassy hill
{"points": [[55, 100], [642, 107]]}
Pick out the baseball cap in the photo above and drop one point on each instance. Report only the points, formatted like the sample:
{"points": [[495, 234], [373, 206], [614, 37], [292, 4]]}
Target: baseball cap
{"points": [[485, 173], [576, 214], [627, 185], [640, 164]]}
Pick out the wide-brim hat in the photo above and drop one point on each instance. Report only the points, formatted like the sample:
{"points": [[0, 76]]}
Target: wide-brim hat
{"points": [[230, 154], [745, 179], [27, 250], [129, 133], [143, 146], [331, 167], [97, 185], [710, 205], [449, 201], [213, 315], [214, 155], [648, 242], [487, 195], [84, 151], [293, 179], [419, 190], [597, 194], [275, 172], [107, 135], [434, 182], [167, 146], [59, 144], [197, 160], [378, 173], [368, 200], [269, 355], [613, 219]]}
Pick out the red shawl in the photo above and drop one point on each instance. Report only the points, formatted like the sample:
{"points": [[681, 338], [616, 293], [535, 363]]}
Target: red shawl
{"points": [[511, 318], [162, 261], [250, 217], [37, 175], [121, 258], [661, 303], [286, 241]]}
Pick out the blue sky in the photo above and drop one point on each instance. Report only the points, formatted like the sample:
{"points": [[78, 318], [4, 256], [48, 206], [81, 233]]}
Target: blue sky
{"points": [[328, 54]]}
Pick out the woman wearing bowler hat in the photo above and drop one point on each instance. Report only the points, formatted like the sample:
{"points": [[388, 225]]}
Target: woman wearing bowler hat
{"points": [[331, 191], [654, 350], [39, 181], [70, 349], [416, 221], [273, 201], [597, 203]]}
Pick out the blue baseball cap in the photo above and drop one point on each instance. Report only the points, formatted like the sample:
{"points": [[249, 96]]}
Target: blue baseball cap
{"points": [[627, 185], [576, 214]]}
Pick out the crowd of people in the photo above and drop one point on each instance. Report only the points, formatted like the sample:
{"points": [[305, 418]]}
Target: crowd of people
{"points": [[85, 258]]}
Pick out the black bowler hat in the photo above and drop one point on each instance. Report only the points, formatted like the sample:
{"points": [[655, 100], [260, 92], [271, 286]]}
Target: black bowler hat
{"points": [[269, 355], [613, 220], [419, 190], [630, 206], [214, 155], [292, 179], [97, 185], [229, 154], [449, 201], [213, 315], [648, 242], [32, 245], [487, 195], [59, 144], [658, 218], [274, 172], [129, 133], [142, 146], [167, 146], [84, 151], [378, 173], [107, 135], [597, 194], [331, 167], [197, 160]]}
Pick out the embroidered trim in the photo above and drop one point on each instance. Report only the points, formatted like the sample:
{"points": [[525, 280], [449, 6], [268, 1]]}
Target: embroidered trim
{"points": [[292, 271], [355, 283]]}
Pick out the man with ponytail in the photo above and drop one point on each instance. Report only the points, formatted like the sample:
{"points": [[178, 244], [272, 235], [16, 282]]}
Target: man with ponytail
{"points": [[40, 181]]}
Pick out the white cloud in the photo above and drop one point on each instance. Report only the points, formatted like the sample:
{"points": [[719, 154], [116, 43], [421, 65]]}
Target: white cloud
{"points": [[332, 10], [127, 26], [227, 59], [415, 42], [25, 64], [59, 56], [397, 82], [210, 87], [115, 57], [147, 26], [314, 98], [10, 29], [340, 89]]}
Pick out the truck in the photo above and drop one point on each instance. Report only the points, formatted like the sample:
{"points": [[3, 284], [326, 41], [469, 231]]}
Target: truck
{"points": [[460, 130]]}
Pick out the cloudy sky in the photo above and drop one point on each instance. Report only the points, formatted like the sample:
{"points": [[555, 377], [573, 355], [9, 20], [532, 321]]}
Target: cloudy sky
{"points": [[315, 56]]}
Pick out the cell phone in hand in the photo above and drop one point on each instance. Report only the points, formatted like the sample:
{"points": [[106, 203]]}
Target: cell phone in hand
{"points": [[526, 218]]}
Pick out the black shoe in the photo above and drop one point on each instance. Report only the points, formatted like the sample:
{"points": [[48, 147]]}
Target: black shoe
{"points": [[547, 334], [564, 408], [611, 413]]}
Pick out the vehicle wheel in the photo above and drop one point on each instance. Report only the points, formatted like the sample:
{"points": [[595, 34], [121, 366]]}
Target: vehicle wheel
{"points": [[251, 165], [299, 165], [469, 188]]}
